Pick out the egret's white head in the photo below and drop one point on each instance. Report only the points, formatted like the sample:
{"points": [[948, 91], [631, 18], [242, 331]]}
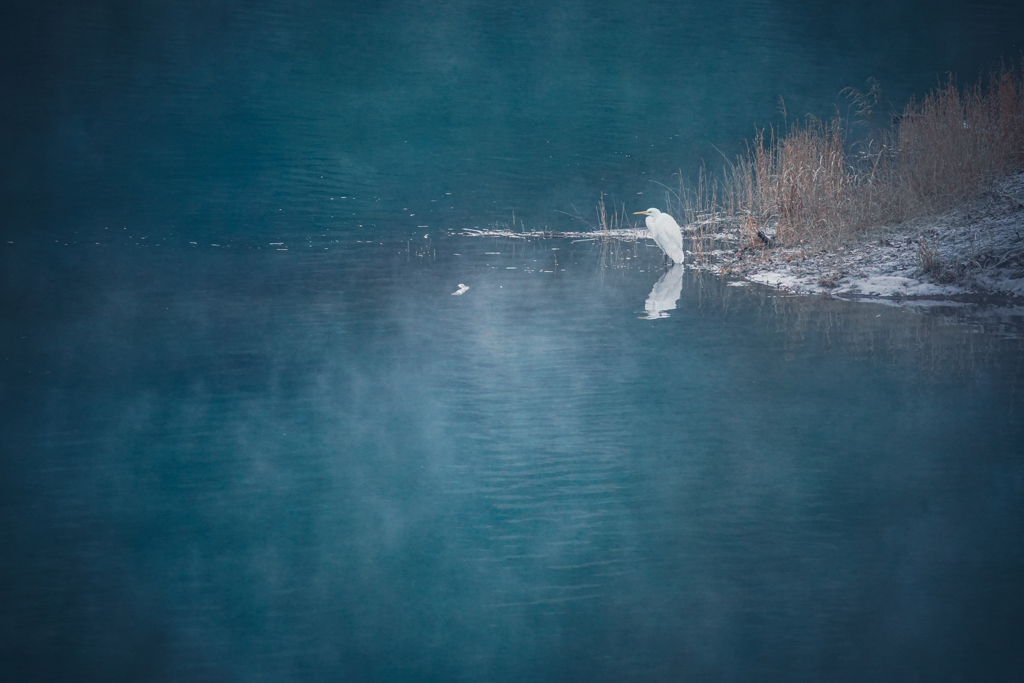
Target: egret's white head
{"points": [[648, 212]]}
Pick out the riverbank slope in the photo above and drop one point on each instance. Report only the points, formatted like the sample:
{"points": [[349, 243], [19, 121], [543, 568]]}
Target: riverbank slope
{"points": [[973, 249]]}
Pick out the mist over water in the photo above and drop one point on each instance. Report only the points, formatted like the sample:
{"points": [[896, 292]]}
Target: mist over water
{"points": [[266, 465], [250, 432]]}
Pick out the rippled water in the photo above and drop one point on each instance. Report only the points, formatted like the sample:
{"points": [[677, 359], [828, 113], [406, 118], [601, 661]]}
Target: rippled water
{"points": [[251, 432], [207, 121], [267, 465]]}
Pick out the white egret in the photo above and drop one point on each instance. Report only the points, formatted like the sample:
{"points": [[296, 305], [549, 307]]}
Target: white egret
{"points": [[666, 233]]}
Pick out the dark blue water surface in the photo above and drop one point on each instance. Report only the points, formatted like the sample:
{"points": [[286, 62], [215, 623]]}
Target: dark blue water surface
{"points": [[249, 432], [215, 118], [252, 464]]}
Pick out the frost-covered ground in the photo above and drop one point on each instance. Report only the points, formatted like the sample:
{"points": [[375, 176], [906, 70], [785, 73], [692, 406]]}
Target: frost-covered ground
{"points": [[976, 249]]}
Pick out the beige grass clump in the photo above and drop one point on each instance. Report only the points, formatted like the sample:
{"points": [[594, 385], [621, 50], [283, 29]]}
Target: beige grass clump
{"points": [[954, 143], [809, 185]]}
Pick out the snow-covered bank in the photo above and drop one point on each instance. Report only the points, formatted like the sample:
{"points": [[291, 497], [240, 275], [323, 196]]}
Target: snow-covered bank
{"points": [[975, 249]]}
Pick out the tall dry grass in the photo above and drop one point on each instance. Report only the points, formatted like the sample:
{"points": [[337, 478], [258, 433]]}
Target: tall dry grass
{"points": [[808, 183], [955, 142]]}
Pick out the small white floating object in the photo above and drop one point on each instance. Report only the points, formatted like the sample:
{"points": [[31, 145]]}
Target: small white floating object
{"points": [[462, 290]]}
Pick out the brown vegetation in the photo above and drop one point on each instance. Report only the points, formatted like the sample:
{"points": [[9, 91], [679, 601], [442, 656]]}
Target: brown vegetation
{"points": [[809, 184]]}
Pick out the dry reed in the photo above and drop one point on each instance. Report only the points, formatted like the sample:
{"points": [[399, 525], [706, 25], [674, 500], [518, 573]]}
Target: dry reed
{"points": [[810, 185]]}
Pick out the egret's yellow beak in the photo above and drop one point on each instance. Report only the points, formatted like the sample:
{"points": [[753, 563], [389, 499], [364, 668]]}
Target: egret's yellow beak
{"points": [[639, 213]]}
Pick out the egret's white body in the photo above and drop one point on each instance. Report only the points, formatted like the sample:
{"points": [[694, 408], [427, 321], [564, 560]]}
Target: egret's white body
{"points": [[666, 233]]}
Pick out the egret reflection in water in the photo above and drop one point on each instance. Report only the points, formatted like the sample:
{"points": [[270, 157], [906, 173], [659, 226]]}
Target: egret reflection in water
{"points": [[665, 293]]}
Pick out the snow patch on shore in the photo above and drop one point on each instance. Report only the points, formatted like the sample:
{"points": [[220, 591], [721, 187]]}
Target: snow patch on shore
{"points": [[976, 249]]}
